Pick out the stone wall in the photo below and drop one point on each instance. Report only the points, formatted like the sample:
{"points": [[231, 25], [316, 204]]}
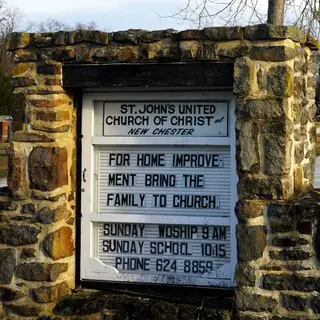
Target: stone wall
{"points": [[274, 80]]}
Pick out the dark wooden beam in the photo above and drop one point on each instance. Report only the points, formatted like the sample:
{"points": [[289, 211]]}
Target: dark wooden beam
{"points": [[148, 75]]}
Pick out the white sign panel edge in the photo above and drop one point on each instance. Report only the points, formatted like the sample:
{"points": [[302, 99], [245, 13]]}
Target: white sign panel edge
{"points": [[88, 272]]}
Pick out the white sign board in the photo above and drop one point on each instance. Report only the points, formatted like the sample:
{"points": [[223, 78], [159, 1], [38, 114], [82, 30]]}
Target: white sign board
{"points": [[158, 212]]}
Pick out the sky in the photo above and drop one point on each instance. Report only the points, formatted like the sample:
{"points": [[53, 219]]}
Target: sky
{"points": [[110, 15]]}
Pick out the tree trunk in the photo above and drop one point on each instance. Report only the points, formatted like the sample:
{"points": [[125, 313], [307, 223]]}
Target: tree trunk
{"points": [[276, 12]]}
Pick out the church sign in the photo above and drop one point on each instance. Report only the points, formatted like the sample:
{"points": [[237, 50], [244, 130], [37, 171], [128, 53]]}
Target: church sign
{"points": [[158, 189]]}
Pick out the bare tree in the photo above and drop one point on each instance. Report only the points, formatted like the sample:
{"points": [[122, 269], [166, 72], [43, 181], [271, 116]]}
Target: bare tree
{"points": [[304, 14], [53, 25], [10, 19]]}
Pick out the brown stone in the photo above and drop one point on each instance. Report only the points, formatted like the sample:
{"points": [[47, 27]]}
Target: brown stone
{"points": [[50, 102], [23, 82], [246, 300], [165, 50], [21, 68], [298, 87], [256, 187], [24, 56], [28, 310], [59, 244], [48, 127], [59, 115], [41, 271], [7, 265], [251, 242], [47, 215], [93, 36], [50, 294], [49, 69], [18, 40], [118, 54], [250, 209], [48, 168], [53, 82], [24, 136], [280, 81], [191, 34], [272, 53]]}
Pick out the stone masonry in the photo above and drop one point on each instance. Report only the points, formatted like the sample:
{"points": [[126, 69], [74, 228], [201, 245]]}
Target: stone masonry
{"points": [[277, 274]]}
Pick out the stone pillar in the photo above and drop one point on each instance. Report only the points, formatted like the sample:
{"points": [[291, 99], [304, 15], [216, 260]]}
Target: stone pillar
{"points": [[275, 111], [37, 231]]}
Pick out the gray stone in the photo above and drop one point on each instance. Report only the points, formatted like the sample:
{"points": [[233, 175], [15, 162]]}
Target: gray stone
{"points": [[18, 235], [246, 300], [287, 254], [41, 271], [28, 208], [7, 204], [7, 265], [289, 281], [289, 242], [251, 242], [272, 53], [245, 275], [248, 155], [279, 126], [277, 155], [242, 78], [269, 31], [156, 35], [251, 187], [280, 81], [223, 33], [46, 215], [27, 253], [315, 304], [298, 152], [294, 302], [207, 51], [7, 294]]}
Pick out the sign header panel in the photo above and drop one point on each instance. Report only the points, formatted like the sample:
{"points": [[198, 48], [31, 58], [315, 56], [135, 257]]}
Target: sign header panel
{"points": [[166, 118]]}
